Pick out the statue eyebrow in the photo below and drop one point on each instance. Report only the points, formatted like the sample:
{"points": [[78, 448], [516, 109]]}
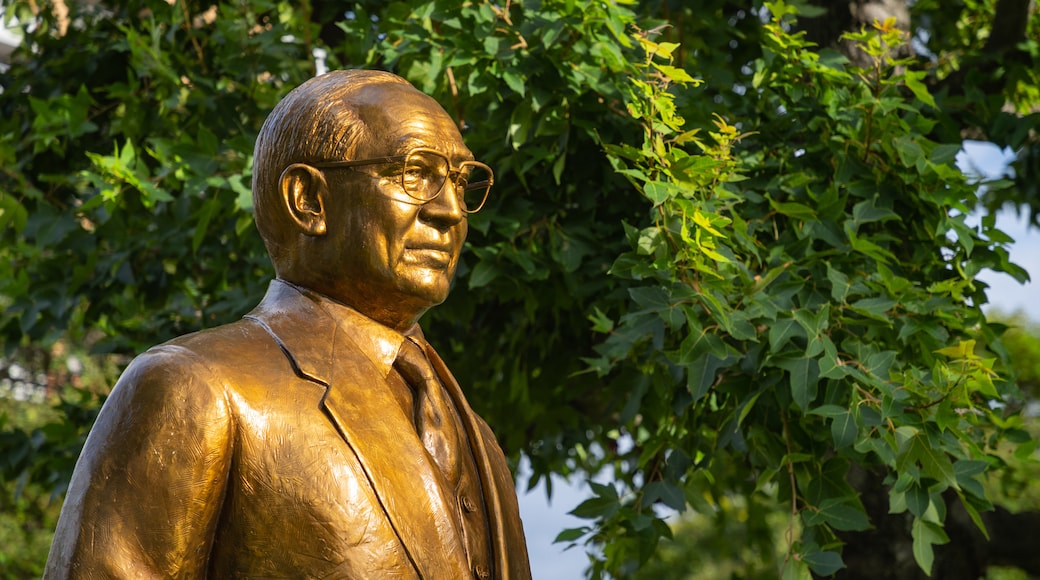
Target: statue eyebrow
{"points": [[410, 142]]}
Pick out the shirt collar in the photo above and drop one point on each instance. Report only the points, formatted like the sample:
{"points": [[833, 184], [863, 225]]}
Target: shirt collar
{"points": [[377, 342]]}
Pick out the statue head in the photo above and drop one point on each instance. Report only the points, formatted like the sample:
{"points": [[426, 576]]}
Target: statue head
{"points": [[361, 188]]}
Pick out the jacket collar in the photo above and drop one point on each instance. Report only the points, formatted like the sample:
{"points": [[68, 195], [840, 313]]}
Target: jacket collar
{"points": [[310, 346]]}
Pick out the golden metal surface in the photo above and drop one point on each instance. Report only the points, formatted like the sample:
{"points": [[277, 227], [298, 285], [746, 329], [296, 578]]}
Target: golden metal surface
{"points": [[285, 445]]}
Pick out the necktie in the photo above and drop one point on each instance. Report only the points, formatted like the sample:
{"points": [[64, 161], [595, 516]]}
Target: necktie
{"points": [[434, 418]]}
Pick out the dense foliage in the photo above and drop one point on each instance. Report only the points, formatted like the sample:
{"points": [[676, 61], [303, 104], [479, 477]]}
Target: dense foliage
{"points": [[720, 263]]}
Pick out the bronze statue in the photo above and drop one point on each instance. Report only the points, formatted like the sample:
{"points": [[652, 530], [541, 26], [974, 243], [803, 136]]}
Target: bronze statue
{"points": [[319, 436]]}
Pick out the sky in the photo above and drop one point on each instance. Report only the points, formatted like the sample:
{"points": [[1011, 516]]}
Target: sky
{"points": [[544, 519], [1006, 294]]}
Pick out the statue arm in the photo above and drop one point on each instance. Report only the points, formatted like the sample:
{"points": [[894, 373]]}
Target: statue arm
{"points": [[146, 494]]}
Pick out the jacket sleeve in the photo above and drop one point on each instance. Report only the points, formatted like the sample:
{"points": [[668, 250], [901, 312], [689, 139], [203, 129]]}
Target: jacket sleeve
{"points": [[146, 493]]}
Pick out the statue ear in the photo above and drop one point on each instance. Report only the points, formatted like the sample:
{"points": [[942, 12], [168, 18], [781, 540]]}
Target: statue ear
{"points": [[303, 189]]}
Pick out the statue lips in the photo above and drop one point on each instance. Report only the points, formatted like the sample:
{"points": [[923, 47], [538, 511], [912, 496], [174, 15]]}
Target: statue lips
{"points": [[433, 257]]}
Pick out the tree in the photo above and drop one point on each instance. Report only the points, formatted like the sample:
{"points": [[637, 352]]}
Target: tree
{"points": [[721, 260]]}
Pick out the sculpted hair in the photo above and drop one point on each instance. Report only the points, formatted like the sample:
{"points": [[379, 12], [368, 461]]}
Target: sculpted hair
{"points": [[315, 122]]}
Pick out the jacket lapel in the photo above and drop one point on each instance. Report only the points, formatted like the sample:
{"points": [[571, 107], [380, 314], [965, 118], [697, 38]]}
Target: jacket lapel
{"points": [[507, 534], [360, 405], [408, 484]]}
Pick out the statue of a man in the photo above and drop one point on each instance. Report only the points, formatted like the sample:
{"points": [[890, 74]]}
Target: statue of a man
{"points": [[319, 436]]}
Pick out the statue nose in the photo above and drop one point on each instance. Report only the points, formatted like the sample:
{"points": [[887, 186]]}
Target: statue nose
{"points": [[447, 207]]}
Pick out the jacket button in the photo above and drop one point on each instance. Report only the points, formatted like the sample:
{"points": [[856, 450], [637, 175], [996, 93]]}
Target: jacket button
{"points": [[468, 505], [482, 572]]}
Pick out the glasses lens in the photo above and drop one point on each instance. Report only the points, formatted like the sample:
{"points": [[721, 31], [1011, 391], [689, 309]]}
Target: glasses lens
{"points": [[474, 183], [424, 174]]}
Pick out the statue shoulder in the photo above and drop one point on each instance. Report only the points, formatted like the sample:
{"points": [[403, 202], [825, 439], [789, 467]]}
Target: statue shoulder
{"points": [[240, 343], [207, 360]]}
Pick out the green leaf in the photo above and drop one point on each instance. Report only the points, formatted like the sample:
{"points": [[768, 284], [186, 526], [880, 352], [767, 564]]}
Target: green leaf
{"points": [[840, 513], [653, 298], [794, 210], [782, 331], [604, 505], [933, 461], [874, 307], [795, 569], [600, 321], [974, 514], [839, 283], [914, 81], [244, 200], [917, 499], [814, 323], [844, 430], [701, 374], [804, 376], [869, 248], [514, 81], [739, 327], [666, 49], [557, 168], [945, 153], [659, 192], [747, 405], [963, 350], [830, 366], [128, 156], [571, 534], [675, 73], [926, 535], [482, 274], [829, 411], [12, 213], [649, 240], [668, 493], [909, 150], [967, 474], [207, 142], [824, 563], [205, 215], [867, 211], [1024, 451]]}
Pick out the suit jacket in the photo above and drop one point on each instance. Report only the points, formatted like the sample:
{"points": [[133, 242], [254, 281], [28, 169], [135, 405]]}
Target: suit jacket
{"points": [[273, 447]]}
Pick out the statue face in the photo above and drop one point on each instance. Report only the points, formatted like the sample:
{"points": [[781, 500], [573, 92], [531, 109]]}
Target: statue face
{"points": [[390, 254]]}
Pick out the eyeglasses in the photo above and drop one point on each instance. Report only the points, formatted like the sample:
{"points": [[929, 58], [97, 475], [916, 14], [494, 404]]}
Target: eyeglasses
{"points": [[424, 172]]}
